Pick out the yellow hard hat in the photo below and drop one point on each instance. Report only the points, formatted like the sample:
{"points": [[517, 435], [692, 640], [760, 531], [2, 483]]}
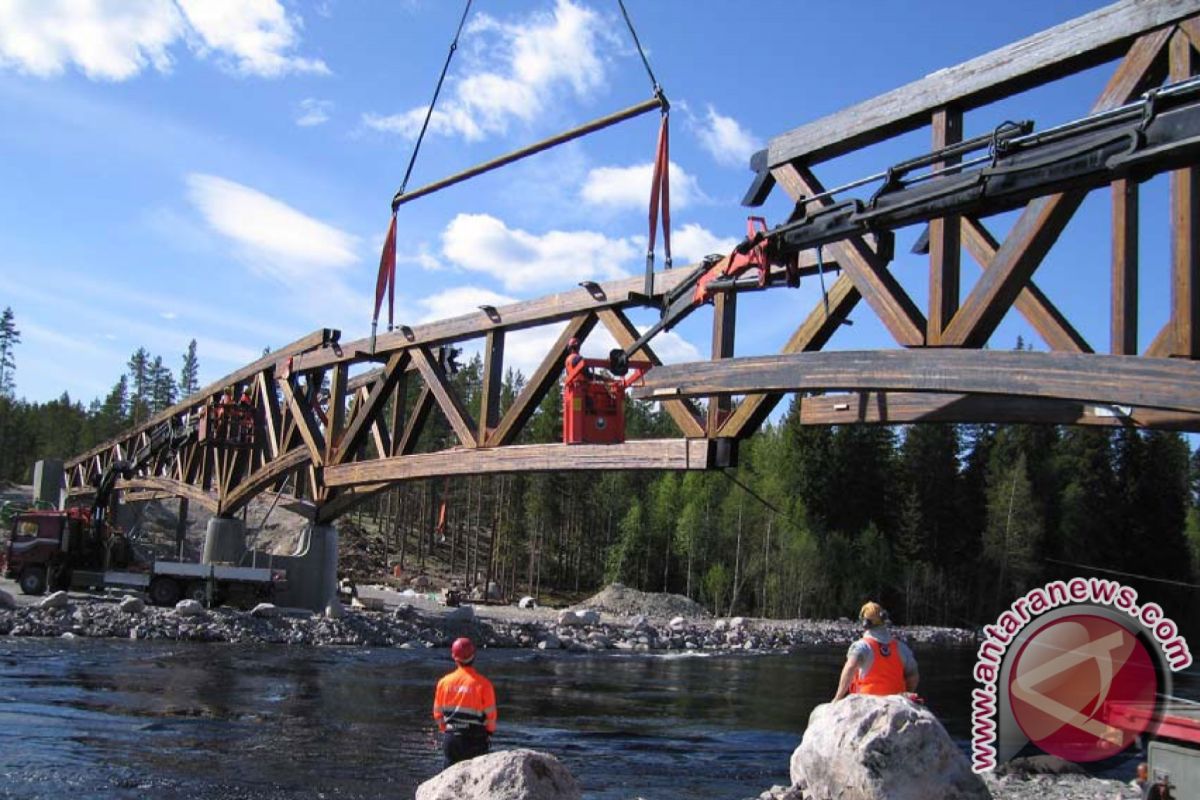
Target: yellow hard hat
{"points": [[872, 613]]}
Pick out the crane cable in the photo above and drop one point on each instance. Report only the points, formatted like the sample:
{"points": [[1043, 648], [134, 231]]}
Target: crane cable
{"points": [[386, 280]]}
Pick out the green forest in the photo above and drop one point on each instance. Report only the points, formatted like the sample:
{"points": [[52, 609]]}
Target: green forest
{"points": [[945, 524]]}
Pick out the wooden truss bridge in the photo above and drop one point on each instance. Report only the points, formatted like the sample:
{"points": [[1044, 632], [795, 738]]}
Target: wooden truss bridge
{"points": [[330, 448]]}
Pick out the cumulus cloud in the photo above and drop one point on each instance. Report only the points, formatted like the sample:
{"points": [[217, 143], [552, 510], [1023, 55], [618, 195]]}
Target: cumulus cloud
{"points": [[312, 112], [516, 69], [268, 233], [117, 39], [691, 243], [726, 140], [522, 260], [629, 187], [459, 301]]}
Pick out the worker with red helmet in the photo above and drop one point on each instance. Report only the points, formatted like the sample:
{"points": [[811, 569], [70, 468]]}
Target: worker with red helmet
{"points": [[575, 363], [464, 706]]}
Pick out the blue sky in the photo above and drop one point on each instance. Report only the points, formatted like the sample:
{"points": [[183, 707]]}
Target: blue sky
{"points": [[222, 169]]}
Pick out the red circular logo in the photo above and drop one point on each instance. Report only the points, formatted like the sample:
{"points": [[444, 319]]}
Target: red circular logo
{"points": [[1082, 688]]}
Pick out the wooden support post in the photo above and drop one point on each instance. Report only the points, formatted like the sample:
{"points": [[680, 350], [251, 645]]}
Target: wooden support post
{"points": [[181, 528], [1185, 226], [1124, 321], [493, 380], [724, 322], [447, 399], [399, 402], [945, 243], [336, 415]]}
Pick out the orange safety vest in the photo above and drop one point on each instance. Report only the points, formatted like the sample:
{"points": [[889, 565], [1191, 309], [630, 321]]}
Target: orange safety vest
{"points": [[465, 701], [886, 675]]}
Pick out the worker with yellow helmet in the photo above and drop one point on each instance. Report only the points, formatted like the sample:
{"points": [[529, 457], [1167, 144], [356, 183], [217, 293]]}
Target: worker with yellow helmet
{"points": [[878, 663]]}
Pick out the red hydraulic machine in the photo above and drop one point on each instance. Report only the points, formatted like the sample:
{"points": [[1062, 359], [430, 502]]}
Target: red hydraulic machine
{"points": [[593, 400]]}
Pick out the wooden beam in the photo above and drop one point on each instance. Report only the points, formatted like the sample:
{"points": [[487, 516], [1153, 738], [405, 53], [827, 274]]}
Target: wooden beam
{"points": [[869, 272], [447, 399], [493, 381], [396, 414], [545, 376], [1124, 318], [724, 324], [263, 478], [306, 423], [372, 407], [416, 422], [1185, 227], [812, 335], [335, 416], [903, 408], [685, 414], [1037, 309], [1161, 346], [179, 489], [1120, 380], [945, 239], [673, 454], [1044, 218], [1065, 49]]}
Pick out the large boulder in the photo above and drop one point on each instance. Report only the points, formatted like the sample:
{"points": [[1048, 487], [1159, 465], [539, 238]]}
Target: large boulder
{"points": [[881, 748], [56, 600], [507, 775], [6, 600], [189, 608]]}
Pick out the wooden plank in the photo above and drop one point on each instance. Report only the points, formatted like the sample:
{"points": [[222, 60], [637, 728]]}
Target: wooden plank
{"points": [[335, 417], [945, 239], [1065, 49], [881, 290], [493, 381], [813, 334], [369, 410], [684, 414], [447, 399], [306, 423], [1090, 378], [193, 493], [545, 376], [1185, 227], [416, 422], [1043, 219], [396, 413], [672, 454], [724, 324], [1124, 318], [264, 478], [903, 408], [1055, 329]]}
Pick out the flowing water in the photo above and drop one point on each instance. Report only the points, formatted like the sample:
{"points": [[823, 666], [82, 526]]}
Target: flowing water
{"points": [[108, 718]]}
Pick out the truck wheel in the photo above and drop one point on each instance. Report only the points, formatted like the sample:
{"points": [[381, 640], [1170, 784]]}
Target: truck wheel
{"points": [[165, 591], [33, 580], [199, 592]]}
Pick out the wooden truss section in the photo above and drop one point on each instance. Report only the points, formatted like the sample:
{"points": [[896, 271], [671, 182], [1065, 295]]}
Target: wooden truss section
{"points": [[335, 422]]}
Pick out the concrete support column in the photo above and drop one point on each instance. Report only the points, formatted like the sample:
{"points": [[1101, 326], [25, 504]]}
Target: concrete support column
{"points": [[312, 570], [224, 541], [48, 482]]}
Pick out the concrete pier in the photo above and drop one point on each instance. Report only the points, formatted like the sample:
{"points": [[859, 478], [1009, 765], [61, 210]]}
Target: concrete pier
{"points": [[311, 570], [49, 481], [224, 541]]}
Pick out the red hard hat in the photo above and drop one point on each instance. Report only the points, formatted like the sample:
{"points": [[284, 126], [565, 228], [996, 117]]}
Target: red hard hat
{"points": [[463, 650], [573, 345]]}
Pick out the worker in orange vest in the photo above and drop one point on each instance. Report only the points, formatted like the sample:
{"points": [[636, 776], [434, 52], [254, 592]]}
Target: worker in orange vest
{"points": [[464, 706], [878, 663]]}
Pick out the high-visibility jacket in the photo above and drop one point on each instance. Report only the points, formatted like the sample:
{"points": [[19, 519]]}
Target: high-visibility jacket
{"points": [[464, 702], [886, 675]]}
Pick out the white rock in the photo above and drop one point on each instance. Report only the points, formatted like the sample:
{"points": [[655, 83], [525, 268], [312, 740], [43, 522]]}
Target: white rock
{"points": [[569, 618], [720, 625], [599, 639], [506, 775], [68, 635], [6, 600], [677, 623], [461, 614], [335, 610], [588, 617], [132, 605], [549, 643], [639, 622], [881, 748], [56, 600], [188, 608], [264, 610], [527, 602], [737, 622]]}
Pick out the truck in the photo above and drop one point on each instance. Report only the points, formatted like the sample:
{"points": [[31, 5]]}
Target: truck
{"points": [[78, 548]]}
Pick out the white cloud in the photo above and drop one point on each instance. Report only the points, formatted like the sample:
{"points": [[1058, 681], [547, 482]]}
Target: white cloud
{"points": [[459, 301], [522, 260], [312, 112], [691, 243], [629, 187], [270, 234], [168, 315], [117, 39], [518, 69], [106, 40], [255, 35], [726, 140]]}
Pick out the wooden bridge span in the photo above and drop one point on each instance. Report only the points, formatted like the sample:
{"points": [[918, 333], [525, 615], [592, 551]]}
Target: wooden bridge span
{"points": [[330, 448]]}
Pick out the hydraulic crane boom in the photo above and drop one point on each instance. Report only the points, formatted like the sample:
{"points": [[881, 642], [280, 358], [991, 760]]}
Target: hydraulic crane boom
{"points": [[1159, 132]]}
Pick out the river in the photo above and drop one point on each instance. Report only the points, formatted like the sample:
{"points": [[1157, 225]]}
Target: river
{"points": [[117, 719]]}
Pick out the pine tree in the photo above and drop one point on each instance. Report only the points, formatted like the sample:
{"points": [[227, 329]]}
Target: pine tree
{"points": [[10, 337], [189, 375], [139, 379], [162, 386]]}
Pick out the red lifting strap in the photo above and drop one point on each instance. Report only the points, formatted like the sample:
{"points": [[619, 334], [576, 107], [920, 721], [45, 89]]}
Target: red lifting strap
{"points": [[660, 187], [386, 279]]}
